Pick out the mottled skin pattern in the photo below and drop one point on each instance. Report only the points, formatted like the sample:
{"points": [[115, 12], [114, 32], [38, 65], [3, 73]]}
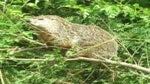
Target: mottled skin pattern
{"points": [[56, 31]]}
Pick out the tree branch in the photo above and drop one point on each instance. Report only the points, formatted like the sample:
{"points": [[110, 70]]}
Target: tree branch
{"points": [[134, 66], [103, 60]]}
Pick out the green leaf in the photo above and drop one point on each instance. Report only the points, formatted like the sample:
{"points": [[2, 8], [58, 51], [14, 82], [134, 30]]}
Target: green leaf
{"points": [[33, 5], [111, 11]]}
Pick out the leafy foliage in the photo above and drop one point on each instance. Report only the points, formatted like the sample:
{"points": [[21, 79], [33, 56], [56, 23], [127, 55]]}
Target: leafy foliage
{"points": [[128, 20]]}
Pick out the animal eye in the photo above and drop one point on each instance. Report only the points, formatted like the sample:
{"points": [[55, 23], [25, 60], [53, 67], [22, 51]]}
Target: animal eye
{"points": [[40, 18]]}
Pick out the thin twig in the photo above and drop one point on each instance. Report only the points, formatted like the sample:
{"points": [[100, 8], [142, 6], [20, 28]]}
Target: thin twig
{"points": [[138, 48], [147, 54], [133, 39], [27, 39], [1, 50], [1, 77], [95, 46], [102, 20], [142, 75], [108, 26], [88, 76], [33, 41], [123, 46], [139, 61], [24, 59]]}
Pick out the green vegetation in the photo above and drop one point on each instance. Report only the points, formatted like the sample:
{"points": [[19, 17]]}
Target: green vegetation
{"points": [[127, 20]]}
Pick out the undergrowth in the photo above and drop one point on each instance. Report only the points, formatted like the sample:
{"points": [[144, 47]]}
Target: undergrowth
{"points": [[128, 21]]}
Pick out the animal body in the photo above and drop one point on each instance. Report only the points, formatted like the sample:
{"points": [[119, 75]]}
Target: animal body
{"points": [[86, 40]]}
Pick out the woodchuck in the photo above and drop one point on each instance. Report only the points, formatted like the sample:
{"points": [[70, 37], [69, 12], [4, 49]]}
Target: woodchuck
{"points": [[85, 40]]}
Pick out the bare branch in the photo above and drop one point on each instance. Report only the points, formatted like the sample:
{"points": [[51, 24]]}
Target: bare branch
{"points": [[103, 60], [134, 66]]}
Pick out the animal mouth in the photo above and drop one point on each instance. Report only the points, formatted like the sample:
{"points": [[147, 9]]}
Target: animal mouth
{"points": [[35, 27]]}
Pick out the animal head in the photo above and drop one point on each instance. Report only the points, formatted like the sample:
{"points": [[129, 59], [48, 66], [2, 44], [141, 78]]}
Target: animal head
{"points": [[49, 23]]}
